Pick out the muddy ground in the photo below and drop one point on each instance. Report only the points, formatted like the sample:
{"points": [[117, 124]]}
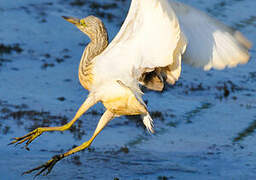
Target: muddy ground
{"points": [[204, 124]]}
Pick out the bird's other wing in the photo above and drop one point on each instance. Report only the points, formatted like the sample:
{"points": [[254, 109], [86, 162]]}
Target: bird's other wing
{"points": [[150, 38], [211, 44]]}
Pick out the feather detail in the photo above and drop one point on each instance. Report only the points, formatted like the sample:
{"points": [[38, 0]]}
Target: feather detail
{"points": [[211, 44], [173, 71], [99, 41], [136, 92], [148, 122]]}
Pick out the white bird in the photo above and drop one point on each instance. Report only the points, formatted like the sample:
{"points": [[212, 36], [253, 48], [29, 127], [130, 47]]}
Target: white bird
{"points": [[155, 39]]}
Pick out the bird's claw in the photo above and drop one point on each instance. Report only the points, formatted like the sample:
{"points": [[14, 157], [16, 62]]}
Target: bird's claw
{"points": [[28, 138], [46, 166]]}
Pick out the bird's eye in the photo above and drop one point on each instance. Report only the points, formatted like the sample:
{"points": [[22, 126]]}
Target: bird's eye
{"points": [[82, 22]]}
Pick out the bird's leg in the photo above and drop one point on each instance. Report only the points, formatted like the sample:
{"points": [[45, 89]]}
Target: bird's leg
{"points": [[106, 117], [90, 101]]}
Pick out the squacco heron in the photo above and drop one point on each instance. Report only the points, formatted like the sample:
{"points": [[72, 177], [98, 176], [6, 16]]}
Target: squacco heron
{"points": [[156, 37]]}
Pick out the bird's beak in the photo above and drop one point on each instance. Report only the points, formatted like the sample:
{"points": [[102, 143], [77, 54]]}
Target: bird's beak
{"points": [[72, 20]]}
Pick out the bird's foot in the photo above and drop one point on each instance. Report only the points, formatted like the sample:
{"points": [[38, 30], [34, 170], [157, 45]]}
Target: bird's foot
{"points": [[46, 166], [28, 138]]}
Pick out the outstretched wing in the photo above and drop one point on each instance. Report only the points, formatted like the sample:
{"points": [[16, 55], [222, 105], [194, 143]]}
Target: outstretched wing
{"points": [[149, 38], [150, 44], [154, 36], [211, 44]]}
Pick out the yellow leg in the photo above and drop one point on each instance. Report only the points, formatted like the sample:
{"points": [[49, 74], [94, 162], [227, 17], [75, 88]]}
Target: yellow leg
{"points": [[106, 117], [37, 132]]}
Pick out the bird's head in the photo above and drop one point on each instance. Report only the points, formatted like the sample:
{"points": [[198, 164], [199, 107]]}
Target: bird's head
{"points": [[91, 26]]}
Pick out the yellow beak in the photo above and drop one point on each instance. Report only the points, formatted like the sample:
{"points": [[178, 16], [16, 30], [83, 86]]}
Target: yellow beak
{"points": [[72, 20]]}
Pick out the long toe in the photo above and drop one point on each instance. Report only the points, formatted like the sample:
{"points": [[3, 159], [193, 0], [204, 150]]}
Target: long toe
{"points": [[28, 138], [46, 166]]}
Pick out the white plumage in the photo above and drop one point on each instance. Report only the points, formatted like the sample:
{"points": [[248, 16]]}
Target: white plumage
{"points": [[211, 44], [155, 34]]}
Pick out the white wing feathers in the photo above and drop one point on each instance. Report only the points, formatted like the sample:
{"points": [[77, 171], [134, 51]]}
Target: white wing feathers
{"points": [[152, 40], [149, 38], [156, 33], [159, 34], [152, 31], [211, 44]]}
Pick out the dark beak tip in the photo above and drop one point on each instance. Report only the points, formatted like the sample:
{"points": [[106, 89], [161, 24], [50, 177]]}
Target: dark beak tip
{"points": [[71, 19], [64, 17]]}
